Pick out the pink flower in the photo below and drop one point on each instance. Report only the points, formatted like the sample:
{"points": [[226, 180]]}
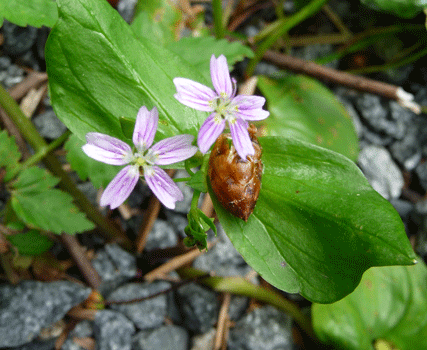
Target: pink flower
{"points": [[110, 150], [224, 106]]}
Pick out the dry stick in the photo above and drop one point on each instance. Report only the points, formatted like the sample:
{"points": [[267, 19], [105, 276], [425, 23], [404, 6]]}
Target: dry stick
{"points": [[317, 71], [33, 80], [150, 217], [207, 206], [81, 313], [77, 252], [174, 264], [223, 322]]}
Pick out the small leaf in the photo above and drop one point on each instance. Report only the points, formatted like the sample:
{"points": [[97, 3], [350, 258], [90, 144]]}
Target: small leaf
{"points": [[302, 108], [389, 305], [198, 182], [401, 8], [35, 13], [317, 225], [31, 242], [45, 208], [100, 174], [9, 153]]}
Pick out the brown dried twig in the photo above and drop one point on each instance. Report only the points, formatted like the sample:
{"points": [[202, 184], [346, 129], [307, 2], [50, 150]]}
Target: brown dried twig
{"points": [[360, 83]]}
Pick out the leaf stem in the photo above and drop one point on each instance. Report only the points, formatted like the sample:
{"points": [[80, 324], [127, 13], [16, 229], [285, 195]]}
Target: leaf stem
{"points": [[29, 132], [285, 25], [217, 13], [241, 286], [195, 199]]}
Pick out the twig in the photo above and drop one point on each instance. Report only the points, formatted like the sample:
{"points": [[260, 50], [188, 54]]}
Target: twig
{"points": [[81, 313], [174, 264], [76, 251], [150, 217], [360, 83], [207, 206], [32, 99], [223, 322], [33, 80], [151, 296]]}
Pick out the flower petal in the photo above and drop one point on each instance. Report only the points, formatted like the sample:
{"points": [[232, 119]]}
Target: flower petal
{"points": [[145, 128], [221, 76], [107, 149], [119, 189], [241, 140], [209, 132], [174, 149], [250, 107], [163, 187], [194, 94]]}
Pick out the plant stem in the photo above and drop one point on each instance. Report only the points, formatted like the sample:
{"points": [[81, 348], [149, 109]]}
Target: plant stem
{"points": [[217, 12], [240, 286], [29, 132], [39, 155], [286, 25]]}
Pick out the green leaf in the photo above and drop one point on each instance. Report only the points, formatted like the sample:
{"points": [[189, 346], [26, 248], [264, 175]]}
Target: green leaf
{"points": [[317, 225], [389, 304], [401, 8], [9, 153], [302, 108], [99, 71], [198, 182], [197, 51], [100, 174], [35, 13], [157, 19], [43, 207], [31, 242]]}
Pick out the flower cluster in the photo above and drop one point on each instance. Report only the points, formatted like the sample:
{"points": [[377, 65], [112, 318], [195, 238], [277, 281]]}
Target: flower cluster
{"points": [[145, 159]]}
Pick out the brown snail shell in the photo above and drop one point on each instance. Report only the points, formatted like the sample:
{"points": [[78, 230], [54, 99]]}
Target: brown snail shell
{"points": [[236, 182]]}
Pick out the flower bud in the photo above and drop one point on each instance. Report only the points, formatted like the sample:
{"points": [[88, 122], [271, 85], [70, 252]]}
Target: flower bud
{"points": [[236, 182]]}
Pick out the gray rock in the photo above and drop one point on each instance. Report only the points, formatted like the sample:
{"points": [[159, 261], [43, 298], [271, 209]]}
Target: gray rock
{"points": [[407, 151], [421, 171], [126, 9], [48, 125], [238, 306], [178, 221], [33, 305], [112, 331], [82, 330], [204, 341], [18, 40], [162, 235], [146, 314], [115, 266], [11, 76], [222, 258], [37, 345], [89, 191], [264, 328], [375, 114], [199, 307], [381, 171], [168, 337]]}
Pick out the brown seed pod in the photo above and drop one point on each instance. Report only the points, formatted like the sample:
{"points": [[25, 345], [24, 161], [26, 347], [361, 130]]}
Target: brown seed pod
{"points": [[236, 182]]}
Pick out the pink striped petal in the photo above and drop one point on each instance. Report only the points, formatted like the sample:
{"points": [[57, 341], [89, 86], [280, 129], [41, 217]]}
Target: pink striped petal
{"points": [[209, 132], [174, 149], [107, 149], [194, 94], [145, 128], [220, 76], [241, 140], [119, 189], [250, 107], [163, 187]]}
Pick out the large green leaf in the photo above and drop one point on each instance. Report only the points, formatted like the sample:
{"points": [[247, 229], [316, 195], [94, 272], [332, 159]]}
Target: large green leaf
{"points": [[389, 304], [100, 174], [43, 207], [317, 225], [302, 108], [99, 71], [9, 153], [401, 8], [35, 13]]}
